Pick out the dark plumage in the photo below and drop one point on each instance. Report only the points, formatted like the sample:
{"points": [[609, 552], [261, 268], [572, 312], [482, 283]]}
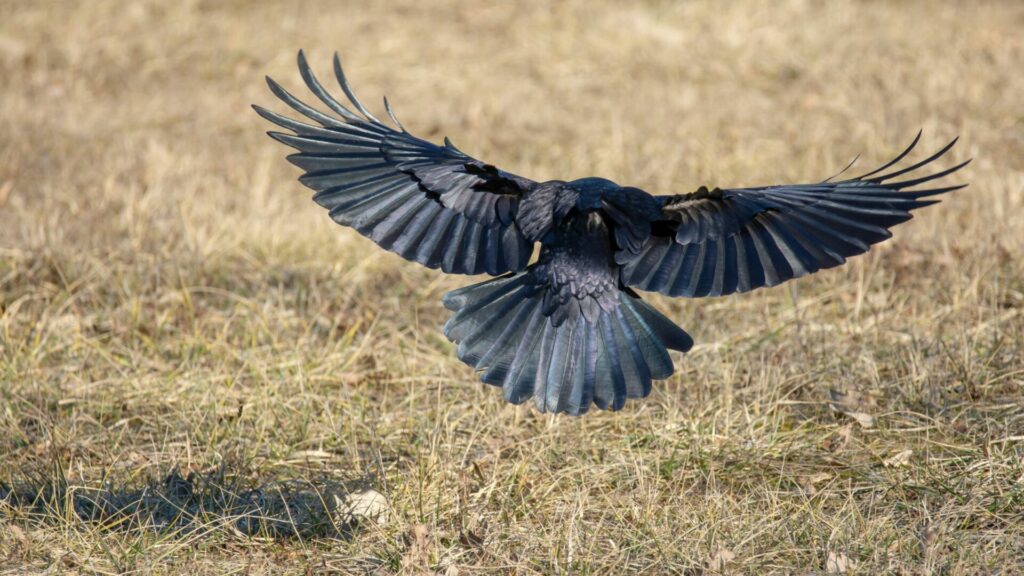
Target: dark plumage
{"points": [[568, 330]]}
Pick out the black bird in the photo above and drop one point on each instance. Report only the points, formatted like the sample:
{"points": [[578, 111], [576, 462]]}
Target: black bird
{"points": [[569, 330]]}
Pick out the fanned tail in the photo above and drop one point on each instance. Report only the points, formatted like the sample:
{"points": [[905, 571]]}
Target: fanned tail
{"points": [[502, 330]]}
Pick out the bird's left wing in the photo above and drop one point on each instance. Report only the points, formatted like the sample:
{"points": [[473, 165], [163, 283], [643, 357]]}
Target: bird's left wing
{"points": [[711, 243], [430, 204]]}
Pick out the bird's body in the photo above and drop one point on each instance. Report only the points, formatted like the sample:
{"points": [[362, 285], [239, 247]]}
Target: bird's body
{"points": [[568, 330]]}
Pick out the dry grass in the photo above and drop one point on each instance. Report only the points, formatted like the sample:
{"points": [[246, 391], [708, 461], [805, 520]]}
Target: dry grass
{"points": [[169, 296]]}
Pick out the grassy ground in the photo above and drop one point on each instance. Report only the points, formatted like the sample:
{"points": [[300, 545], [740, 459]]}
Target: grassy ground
{"points": [[170, 299]]}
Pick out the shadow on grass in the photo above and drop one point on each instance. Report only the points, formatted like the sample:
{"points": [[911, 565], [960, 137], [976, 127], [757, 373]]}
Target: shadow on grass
{"points": [[183, 505]]}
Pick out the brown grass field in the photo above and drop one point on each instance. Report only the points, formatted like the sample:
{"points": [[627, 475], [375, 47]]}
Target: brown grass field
{"points": [[197, 366]]}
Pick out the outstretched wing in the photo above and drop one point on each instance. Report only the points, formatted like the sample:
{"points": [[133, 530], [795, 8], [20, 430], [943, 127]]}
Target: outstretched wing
{"points": [[711, 243], [430, 204]]}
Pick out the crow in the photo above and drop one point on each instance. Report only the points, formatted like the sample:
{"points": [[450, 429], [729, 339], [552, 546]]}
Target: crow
{"points": [[569, 330]]}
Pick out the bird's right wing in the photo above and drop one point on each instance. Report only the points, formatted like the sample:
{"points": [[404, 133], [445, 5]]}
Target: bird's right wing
{"points": [[430, 204], [711, 243]]}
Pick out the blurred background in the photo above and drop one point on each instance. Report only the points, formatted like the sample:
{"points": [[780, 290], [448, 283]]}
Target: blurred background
{"points": [[170, 297]]}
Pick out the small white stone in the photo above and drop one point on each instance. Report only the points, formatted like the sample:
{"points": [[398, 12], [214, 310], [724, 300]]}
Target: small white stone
{"points": [[368, 504]]}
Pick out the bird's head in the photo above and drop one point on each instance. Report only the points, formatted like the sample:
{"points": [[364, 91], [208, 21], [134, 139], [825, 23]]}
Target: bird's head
{"points": [[590, 191], [592, 185]]}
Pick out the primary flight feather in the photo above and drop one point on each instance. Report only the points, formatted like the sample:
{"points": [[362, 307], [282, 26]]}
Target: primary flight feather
{"points": [[568, 330]]}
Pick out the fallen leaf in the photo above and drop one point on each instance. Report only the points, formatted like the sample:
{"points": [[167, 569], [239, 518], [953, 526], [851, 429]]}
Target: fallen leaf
{"points": [[838, 441], [927, 534], [848, 403], [721, 557], [306, 455], [417, 537], [899, 459], [418, 553], [808, 482], [19, 535], [818, 477], [837, 563]]}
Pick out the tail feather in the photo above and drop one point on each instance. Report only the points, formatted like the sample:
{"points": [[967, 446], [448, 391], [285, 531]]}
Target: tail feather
{"points": [[560, 369], [510, 335], [652, 348], [586, 372], [517, 381], [483, 335], [635, 367], [671, 335], [615, 395], [502, 330], [478, 293]]}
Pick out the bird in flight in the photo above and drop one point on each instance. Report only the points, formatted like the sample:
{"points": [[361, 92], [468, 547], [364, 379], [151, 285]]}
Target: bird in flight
{"points": [[569, 329]]}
